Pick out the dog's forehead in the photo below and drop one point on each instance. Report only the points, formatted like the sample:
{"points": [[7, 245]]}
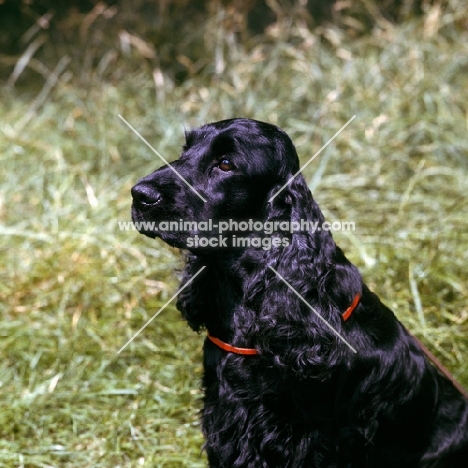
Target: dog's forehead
{"points": [[254, 142], [233, 131]]}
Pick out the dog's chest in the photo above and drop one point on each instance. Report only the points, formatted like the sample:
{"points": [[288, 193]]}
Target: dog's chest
{"points": [[251, 382]]}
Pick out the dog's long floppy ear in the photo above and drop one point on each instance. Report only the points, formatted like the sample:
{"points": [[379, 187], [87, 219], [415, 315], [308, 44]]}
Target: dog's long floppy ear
{"points": [[305, 277], [193, 301]]}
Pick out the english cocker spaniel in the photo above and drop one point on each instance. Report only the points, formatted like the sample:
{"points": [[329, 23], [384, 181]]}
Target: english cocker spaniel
{"points": [[303, 365]]}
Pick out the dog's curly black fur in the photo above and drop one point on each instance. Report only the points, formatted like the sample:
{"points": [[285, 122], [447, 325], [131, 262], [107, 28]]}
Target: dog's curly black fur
{"points": [[306, 399]]}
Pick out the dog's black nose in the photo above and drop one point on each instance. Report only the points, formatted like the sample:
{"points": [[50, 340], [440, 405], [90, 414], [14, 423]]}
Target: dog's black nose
{"points": [[145, 195]]}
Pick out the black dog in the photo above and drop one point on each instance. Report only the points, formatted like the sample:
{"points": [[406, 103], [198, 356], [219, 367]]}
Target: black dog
{"points": [[304, 366]]}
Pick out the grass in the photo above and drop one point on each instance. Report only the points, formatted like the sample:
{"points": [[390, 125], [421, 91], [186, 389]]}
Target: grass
{"points": [[74, 288]]}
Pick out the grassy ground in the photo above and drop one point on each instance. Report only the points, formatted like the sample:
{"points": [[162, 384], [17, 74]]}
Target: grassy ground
{"points": [[74, 288]]}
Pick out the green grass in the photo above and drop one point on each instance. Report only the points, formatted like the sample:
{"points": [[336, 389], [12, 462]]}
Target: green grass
{"points": [[74, 288]]}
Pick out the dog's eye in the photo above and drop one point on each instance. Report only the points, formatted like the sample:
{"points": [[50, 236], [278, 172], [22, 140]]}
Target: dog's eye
{"points": [[225, 165]]}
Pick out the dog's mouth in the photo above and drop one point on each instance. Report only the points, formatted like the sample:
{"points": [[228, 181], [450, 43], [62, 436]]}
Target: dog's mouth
{"points": [[143, 226], [147, 223]]}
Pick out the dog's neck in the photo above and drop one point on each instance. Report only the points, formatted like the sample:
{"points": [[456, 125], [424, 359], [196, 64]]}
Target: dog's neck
{"points": [[227, 274]]}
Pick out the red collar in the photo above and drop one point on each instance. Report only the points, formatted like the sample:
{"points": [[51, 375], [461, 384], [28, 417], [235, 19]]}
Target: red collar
{"points": [[347, 313], [250, 351], [229, 348]]}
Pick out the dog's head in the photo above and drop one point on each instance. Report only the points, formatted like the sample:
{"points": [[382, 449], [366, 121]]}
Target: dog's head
{"points": [[228, 170]]}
